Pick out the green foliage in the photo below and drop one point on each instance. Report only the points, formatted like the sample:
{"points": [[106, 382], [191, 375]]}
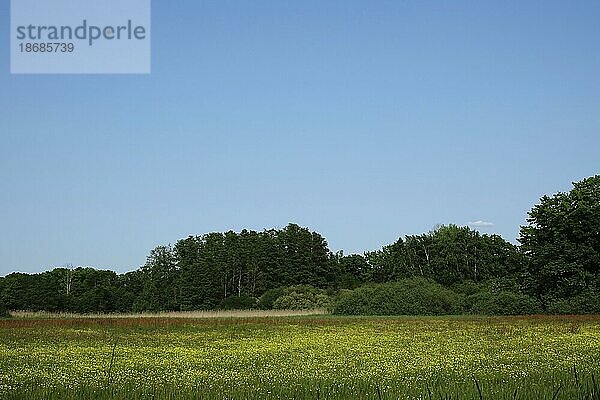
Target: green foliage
{"points": [[586, 302], [405, 297], [266, 301], [213, 267], [243, 302], [449, 255], [302, 297], [496, 297], [468, 288], [159, 289], [562, 242], [4, 312], [81, 290], [352, 270], [502, 303]]}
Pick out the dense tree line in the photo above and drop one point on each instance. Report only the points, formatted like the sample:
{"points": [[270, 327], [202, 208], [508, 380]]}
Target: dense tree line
{"points": [[556, 266], [198, 272]]}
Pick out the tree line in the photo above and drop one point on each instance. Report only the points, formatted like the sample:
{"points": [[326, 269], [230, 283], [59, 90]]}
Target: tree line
{"points": [[556, 265]]}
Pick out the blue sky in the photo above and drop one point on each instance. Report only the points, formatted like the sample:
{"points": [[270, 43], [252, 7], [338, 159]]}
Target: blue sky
{"points": [[363, 120]]}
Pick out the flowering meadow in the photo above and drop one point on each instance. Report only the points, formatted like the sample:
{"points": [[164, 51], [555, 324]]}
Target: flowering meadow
{"points": [[302, 357]]}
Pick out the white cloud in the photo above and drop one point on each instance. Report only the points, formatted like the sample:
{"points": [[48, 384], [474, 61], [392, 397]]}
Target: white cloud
{"points": [[481, 224]]}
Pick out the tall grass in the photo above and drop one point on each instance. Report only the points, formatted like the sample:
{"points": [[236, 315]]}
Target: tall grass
{"points": [[566, 386], [171, 314]]}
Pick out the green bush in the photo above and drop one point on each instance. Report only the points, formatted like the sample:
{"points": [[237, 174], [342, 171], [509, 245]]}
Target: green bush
{"points": [[302, 297], [4, 312], [243, 302], [265, 302], [405, 297], [587, 302], [502, 303]]}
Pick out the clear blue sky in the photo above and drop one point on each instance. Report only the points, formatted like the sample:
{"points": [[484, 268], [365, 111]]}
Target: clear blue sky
{"points": [[363, 120]]}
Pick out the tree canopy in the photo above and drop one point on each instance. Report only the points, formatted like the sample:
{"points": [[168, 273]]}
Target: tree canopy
{"points": [[562, 241]]}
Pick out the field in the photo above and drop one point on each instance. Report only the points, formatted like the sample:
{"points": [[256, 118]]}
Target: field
{"points": [[299, 357]]}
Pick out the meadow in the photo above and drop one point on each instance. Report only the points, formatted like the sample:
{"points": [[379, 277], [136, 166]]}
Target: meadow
{"points": [[299, 357]]}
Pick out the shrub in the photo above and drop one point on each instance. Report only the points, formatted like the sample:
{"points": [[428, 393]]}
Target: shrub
{"points": [[302, 301], [302, 297], [4, 312], [502, 303], [405, 297], [243, 302], [265, 302], [586, 302]]}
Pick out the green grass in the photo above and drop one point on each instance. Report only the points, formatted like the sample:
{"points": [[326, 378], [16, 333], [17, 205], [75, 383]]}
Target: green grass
{"points": [[300, 358]]}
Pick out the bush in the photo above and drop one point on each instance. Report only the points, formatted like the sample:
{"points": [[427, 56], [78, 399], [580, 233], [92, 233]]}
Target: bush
{"points": [[405, 297], [302, 297], [265, 302], [587, 302], [4, 312], [302, 301], [502, 303], [243, 302]]}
